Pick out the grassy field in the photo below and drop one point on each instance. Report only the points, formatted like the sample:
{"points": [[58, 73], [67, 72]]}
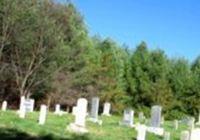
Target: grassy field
{"points": [[14, 128]]}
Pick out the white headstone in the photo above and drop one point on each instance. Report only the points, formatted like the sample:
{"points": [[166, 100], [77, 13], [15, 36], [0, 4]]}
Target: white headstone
{"points": [[195, 134], [32, 105], [191, 123], [175, 124], [43, 113], [74, 110], [162, 120], [106, 109], [22, 99], [80, 116], [81, 112], [4, 106], [185, 135], [57, 110], [166, 136], [29, 105], [141, 132], [128, 118], [141, 117], [198, 123], [22, 112], [156, 116]]}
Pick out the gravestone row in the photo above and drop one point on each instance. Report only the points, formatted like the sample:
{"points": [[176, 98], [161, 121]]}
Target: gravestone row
{"points": [[80, 112]]}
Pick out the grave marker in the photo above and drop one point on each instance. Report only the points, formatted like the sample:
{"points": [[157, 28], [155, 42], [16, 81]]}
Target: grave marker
{"points": [[28, 104], [191, 123], [43, 112], [74, 110], [198, 123], [195, 134], [185, 135], [156, 116], [141, 117], [175, 124], [94, 111], [141, 132], [57, 110], [22, 99], [22, 112], [128, 118], [79, 125], [166, 136], [4, 106], [106, 109]]}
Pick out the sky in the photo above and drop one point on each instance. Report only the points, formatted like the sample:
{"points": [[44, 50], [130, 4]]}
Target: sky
{"points": [[170, 25]]}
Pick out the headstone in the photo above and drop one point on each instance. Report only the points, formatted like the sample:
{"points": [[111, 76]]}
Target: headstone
{"points": [[162, 120], [94, 108], [141, 117], [22, 99], [156, 116], [191, 123], [166, 136], [146, 121], [4, 106], [141, 132], [175, 124], [195, 134], [28, 104], [74, 110], [186, 121], [80, 115], [128, 118], [198, 123], [185, 135], [57, 110], [43, 113], [22, 112], [94, 111], [67, 109], [106, 109]]}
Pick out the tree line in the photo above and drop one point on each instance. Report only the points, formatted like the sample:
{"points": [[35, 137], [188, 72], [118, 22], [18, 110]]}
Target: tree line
{"points": [[47, 54]]}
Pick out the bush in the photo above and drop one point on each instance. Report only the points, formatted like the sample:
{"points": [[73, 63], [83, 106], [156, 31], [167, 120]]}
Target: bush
{"points": [[175, 114]]}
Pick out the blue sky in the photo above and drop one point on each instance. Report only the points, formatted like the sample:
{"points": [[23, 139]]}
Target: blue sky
{"points": [[171, 25]]}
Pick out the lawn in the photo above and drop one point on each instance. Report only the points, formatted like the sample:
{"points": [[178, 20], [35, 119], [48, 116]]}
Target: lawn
{"points": [[14, 128]]}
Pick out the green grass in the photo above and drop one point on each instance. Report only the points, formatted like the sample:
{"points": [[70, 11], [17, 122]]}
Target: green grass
{"points": [[13, 128]]}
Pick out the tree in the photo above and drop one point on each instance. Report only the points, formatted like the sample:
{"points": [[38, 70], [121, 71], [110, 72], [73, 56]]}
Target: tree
{"points": [[33, 41], [139, 79], [7, 22], [81, 58], [161, 92], [193, 97], [111, 75], [180, 79]]}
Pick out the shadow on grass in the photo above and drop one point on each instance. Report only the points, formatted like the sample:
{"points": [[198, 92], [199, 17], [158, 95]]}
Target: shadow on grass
{"points": [[13, 134]]}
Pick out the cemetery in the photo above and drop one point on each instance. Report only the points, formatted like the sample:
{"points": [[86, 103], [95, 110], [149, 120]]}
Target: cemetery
{"points": [[43, 124], [99, 70]]}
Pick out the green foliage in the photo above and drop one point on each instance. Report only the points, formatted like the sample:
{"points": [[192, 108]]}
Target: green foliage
{"points": [[111, 74], [175, 114]]}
